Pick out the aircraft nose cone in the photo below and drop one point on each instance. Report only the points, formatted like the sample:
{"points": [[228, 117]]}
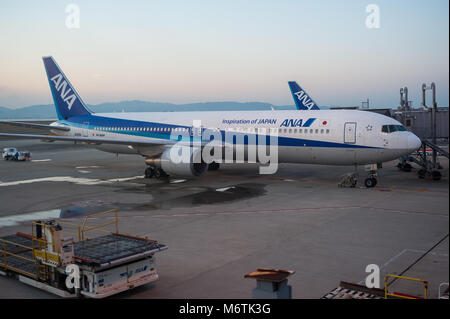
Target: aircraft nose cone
{"points": [[413, 142]]}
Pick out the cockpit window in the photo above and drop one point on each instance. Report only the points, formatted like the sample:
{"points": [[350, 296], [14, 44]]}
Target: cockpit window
{"points": [[392, 128]]}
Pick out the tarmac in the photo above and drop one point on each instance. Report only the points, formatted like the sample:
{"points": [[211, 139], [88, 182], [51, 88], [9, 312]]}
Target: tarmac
{"points": [[230, 222]]}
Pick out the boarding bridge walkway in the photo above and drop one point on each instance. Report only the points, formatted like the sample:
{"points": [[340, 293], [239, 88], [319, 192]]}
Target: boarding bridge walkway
{"points": [[435, 148]]}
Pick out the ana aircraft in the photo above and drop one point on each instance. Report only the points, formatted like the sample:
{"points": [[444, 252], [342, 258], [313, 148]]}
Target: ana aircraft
{"points": [[328, 137]]}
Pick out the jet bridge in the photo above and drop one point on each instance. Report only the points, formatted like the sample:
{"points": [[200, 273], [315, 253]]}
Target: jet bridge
{"points": [[429, 167], [107, 264]]}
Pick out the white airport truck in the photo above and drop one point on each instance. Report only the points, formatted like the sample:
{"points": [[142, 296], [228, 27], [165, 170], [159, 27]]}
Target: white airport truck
{"points": [[11, 153], [104, 265]]}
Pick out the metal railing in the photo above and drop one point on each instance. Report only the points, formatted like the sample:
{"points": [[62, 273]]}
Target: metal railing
{"points": [[84, 228], [404, 296], [6, 253]]}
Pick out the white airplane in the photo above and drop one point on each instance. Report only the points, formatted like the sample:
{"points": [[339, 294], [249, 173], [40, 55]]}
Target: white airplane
{"points": [[328, 137]]}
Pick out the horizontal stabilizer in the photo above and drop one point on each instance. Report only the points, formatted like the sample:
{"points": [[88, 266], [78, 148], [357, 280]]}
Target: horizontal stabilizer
{"points": [[36, 126]]}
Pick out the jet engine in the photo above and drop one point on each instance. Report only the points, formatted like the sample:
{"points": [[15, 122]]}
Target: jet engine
{"points": [[181, 161]]}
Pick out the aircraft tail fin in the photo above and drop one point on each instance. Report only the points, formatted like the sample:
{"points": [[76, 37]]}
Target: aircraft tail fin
{"points": [[302, 100], [67, 101]]}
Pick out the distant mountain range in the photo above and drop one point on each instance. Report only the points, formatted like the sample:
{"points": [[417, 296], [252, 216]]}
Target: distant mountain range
{"points": [[48, 111]]}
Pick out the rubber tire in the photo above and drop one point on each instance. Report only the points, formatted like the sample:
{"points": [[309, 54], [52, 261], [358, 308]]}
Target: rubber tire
{"points": [[436, 175], [213, 166], [149, 172], [370, 182], [157, 173]]}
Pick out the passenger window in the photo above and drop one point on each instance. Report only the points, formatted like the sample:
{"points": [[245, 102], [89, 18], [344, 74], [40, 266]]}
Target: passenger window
{"points": [[328, 131]]}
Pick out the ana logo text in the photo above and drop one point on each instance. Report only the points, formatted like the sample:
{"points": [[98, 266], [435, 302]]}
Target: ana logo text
{"points": [[304, 99], [297, 122], [61, 85]]}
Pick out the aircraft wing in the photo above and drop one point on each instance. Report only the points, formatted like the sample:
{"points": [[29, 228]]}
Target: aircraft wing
{"points": [[90, 140], [102, 140], [36, 126]]}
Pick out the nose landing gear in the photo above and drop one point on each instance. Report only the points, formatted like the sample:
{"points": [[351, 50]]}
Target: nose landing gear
{"points": [[351, 179], [370, 182]]}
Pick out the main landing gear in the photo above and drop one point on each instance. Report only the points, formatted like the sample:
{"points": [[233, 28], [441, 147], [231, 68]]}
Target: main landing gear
{"points": [[213, 166], [155, 172]]}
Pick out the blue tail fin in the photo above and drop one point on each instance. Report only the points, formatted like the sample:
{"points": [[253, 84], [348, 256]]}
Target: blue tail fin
{"points": [[301, 98], [67, 101]]}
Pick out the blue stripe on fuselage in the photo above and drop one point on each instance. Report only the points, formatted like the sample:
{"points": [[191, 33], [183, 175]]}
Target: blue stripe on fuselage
{"points": [[117, 126]]}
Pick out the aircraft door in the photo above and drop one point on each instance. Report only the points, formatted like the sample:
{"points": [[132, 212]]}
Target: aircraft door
{"points": [[85, 129], [350, 133]]}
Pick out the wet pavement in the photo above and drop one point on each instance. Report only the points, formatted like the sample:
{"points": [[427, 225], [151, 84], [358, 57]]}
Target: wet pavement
{"points": [[232, 221]]}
